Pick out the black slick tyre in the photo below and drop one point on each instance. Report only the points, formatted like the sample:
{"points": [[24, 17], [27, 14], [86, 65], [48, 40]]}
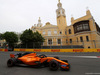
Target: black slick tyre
{"points": [[53, 65], [11, 62]]}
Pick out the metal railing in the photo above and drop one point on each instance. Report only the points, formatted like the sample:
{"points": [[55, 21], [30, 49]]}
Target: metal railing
{"points": [[61, 45]]}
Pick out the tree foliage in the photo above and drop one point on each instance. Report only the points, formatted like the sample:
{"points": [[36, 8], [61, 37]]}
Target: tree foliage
{"points": [[27, 36], [10, 38], [0, 36], [30, 38], [38, 37]]}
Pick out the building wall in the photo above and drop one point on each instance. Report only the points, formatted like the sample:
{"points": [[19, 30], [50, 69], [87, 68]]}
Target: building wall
{"points": [[2, 42], [66, 34]]}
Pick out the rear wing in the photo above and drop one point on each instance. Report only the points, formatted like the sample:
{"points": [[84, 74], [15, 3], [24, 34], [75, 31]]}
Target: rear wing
{"points": [[12, 56]]}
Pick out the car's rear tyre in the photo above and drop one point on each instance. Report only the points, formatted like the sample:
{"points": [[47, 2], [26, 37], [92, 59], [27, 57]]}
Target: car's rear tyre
{"points": [[56, 57], [53, 65], [11, 62]]}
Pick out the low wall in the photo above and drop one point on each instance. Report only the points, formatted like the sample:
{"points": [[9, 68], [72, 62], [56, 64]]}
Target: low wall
{"points": [[58, 50], [4, 50]]}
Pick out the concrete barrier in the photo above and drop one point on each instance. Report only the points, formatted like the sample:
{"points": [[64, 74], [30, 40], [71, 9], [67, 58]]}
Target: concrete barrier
{"points": [[4, 50], [58, 50], [53, 50]]}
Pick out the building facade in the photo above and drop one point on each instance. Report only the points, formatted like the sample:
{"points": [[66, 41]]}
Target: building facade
{"points": [[82, 31]]}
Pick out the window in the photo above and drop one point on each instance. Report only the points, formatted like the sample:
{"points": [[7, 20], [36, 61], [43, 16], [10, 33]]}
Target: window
{"points": [[85, 26], [55, 32], [81, 39], [50, 41], [49, 33], [69, 31], [58, 12], [43, 32], [75, 29], [78, 29], [81, 26], [70, 40], [66, 41], [77, 39], [87, 38], [65, 32], [60, 32], [59, 41]]}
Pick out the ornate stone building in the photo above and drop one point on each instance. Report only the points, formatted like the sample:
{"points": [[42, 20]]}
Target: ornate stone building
{"points": [[82, 31]]}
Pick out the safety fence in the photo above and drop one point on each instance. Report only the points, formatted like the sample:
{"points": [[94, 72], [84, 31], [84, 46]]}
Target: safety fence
{"points": [[92, 44]]}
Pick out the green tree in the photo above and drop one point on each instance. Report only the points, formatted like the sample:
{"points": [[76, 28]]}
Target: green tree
{"points": [[38, 39], [11, 38], [0, 36], [29, 38]]}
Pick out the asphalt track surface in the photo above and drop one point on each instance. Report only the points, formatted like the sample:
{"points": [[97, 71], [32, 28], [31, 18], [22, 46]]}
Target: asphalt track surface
{"points": [[81, 64]]}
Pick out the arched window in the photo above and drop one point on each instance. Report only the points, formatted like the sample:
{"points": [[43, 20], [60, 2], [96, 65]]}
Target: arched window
{"points": [[60, 32], [69, 31]]}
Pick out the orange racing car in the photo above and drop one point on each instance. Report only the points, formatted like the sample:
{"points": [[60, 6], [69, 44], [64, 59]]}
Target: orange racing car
{"points": [[33, 59]]}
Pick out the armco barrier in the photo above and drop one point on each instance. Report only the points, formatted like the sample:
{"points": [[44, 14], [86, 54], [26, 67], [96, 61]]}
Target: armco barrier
{"points": [[4, 50], [58, 50]]}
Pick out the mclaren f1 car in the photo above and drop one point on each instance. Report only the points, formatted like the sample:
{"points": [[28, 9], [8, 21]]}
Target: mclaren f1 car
{"points": [[32, 59]]}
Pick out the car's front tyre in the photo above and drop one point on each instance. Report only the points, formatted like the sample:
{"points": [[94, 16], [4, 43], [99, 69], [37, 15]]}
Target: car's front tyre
{"points": [[53, 65], [11, 62]]}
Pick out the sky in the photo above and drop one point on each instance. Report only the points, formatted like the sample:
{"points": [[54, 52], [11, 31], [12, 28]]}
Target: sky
{"points": [[19, 15]]}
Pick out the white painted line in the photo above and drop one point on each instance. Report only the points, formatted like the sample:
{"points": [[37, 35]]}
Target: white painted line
{"points": [[85, 56], [76, 56], [92, 73], [98, 56]]}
